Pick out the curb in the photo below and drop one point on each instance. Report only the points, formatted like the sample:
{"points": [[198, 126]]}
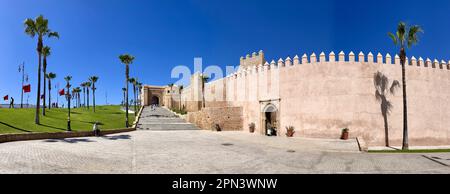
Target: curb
{"points": [[362, 144], [58, 135], [136, 120]]}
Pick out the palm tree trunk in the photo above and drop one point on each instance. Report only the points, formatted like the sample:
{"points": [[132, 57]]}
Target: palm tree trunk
{"points": [[126, 94], [134, 93], [93, 95], [180, 101], [38, 98], [84, 96], [45, 79], [49, 94], [87, 96], [68, 106], [405, 145], [203, 95]]}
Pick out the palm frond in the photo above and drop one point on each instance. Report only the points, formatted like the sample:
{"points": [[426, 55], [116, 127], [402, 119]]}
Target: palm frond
{"points": [[395, 85], [126, 59], [393, 37], [53, 34], [46, 51], [378, 95], [68, 78], [412, 35], [401, 31], [30, 27]]}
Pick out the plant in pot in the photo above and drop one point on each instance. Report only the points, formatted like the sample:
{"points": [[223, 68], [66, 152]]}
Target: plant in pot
{"points": [[251, 127], [344, 135], [290, 130], [217, 127]]}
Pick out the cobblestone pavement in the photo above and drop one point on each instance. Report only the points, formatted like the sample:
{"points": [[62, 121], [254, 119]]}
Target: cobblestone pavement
{"points": [[164, 144], [205, 152]]}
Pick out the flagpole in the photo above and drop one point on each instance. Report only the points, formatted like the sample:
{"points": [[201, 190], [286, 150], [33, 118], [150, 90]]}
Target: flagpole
{"points": [[57, 94], [23, 77]]}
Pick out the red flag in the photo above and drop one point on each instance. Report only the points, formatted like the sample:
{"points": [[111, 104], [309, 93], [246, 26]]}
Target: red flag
{"points": [[5, 98], [61, 92], [27, 88]]}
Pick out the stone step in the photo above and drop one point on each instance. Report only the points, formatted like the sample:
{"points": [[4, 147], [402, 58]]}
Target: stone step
{"points": [[161, 121], [167, 127]]}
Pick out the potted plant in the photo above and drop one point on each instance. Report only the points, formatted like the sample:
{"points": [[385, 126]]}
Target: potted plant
{"points": [[217, 127], [344, 135], [251, 127], [290, 130]]}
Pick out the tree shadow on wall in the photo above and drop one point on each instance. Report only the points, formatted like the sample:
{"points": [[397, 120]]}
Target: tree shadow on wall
{"points": [[383, 88]]}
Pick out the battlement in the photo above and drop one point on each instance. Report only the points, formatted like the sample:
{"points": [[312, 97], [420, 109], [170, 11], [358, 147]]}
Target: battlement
{"points": [[252, 60], [253, 64]]}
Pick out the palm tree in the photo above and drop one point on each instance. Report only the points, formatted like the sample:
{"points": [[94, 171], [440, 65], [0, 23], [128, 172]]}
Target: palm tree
{"points": [[50, 76], [139, 94], [123, 101], [180, 89], [405, 37], [68, 78], [83, 85], [39, 27], [88, 85], [74, 96], [205, 79], [77, 92], [46, 51], [170, 102], [93, 79], [133, 82], [127, 60]]}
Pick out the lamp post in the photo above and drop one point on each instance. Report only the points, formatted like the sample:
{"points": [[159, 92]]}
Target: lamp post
{"points": [[22, 69], [68, 78]]}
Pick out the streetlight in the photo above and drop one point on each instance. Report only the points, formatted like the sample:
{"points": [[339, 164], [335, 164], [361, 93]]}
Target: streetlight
{"points": [[68, 78]]}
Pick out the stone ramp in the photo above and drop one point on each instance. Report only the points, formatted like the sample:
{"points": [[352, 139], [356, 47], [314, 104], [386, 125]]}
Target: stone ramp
{"points": [[161, 119]]}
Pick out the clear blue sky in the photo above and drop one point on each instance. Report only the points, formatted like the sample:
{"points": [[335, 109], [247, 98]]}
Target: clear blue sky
{"points": [[166, 33]]}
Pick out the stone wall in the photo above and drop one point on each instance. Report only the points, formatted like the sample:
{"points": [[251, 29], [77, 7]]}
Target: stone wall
{"points": [[320, 95], [228, 118]]}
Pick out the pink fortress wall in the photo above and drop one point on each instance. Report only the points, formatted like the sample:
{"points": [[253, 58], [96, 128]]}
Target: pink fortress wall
{"points": [[321, 95]]}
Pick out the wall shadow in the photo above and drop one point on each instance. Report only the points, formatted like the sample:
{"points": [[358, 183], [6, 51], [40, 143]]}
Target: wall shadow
{"points": [[8, 125], [117, 137], [383, 88], [72, 141]]}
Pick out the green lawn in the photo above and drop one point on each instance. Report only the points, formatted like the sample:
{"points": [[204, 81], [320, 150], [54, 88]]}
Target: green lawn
{"points": [[22, 120], [410, 151]]}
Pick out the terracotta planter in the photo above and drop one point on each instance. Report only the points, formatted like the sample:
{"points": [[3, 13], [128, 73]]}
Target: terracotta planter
{"points": [[251, 128], [344, 135], [290, 133]]}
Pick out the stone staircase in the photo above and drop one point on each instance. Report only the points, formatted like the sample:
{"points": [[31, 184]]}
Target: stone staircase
{"points": [[161, 119]]}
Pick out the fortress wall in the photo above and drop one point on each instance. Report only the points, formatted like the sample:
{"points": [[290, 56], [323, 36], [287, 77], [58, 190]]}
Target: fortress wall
{"points": [[228, 118], [321, 98], [320, 95]]}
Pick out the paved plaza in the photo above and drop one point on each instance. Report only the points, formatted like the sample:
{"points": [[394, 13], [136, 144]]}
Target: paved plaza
{"points": [[198, 151]]}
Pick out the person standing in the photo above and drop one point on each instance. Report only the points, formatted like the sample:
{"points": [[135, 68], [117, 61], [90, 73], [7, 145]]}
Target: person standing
{"points": [[11, 103]]}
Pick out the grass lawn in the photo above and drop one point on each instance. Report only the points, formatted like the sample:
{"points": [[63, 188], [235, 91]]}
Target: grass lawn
{"points": [[410, 151], [22, 120]]}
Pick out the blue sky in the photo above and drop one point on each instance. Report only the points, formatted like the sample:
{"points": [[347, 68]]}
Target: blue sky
{"points": [[165, 33]]}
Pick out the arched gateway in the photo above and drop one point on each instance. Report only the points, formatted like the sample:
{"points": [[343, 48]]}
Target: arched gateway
{"points": [[155, 100], [270, 122]]}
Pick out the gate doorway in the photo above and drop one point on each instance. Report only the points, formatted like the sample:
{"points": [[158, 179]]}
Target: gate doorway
{"points": [[155, 100], [270, 120]]}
